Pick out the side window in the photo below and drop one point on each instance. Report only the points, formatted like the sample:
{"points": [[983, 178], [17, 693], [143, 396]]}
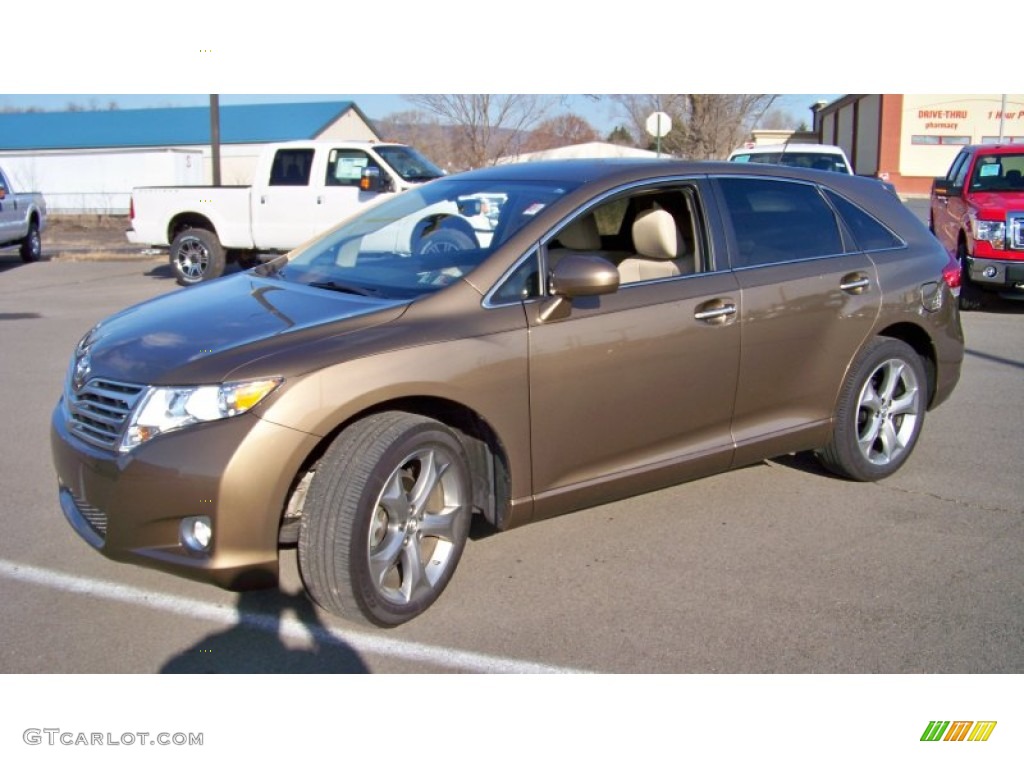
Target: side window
{"points": [[960, 177], [522, 285], [870, 234], [345, 167], [777, 221], [649, 234], [956, 168], [291, 168]]}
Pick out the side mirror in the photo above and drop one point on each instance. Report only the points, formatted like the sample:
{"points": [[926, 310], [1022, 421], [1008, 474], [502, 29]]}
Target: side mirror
{"points": [[942, 187], [372, 180], [578, 275]]}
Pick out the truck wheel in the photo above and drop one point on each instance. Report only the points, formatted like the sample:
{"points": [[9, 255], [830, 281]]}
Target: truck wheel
{"points": [[971, 296], [31, 246], [446, 241], [386, 519], [196, 255], [880, 413]]}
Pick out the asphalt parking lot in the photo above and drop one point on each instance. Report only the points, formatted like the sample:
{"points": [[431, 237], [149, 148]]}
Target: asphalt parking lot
{"points": [[773, 568]]}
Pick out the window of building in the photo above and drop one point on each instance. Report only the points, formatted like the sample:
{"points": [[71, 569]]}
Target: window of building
{"points": [[940, 140]]}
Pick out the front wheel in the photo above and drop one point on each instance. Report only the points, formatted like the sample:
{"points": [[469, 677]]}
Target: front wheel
{"points": [[386, 519], [880, 412], [971, 296], [446, 241], [196, 255], [31, 246]]}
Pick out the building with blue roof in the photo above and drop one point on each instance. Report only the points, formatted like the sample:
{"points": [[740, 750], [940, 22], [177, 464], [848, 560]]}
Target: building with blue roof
{"points": [[89, 161]]}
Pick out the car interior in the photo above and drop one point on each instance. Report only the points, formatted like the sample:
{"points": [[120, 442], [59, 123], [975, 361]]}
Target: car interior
{"points": [[649, 236]]}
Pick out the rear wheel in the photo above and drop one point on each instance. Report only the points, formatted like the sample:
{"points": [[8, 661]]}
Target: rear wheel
{"points": [[196, 255], [31, 246], [386, 519], [880, 413]]}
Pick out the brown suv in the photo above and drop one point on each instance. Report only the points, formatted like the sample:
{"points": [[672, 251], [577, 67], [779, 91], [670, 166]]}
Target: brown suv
{"points": [[516, 342]]}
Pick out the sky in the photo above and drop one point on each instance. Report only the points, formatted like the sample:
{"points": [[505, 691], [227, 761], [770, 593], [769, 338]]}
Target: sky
{"points": [[601, 113]]}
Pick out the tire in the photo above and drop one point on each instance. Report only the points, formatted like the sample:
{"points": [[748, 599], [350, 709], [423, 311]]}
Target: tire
{"points": [[446, 241], [31, 245], [880, 412], [386, 519], [971, 296], [196, 255]]}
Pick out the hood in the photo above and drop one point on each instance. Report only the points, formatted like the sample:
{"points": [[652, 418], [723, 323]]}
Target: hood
{"points": [[995, 205], [199, 335]]}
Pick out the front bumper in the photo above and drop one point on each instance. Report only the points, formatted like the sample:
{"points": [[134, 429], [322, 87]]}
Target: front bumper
{"points": [[1004, 275], [129, 507]]}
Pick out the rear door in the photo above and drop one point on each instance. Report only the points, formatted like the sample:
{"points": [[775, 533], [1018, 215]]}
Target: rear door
{"points": [[283, 206], [808, 301]]}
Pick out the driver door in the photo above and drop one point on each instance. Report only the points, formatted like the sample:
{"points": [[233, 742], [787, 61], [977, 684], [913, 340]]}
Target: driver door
{"points": [[634, 390]]}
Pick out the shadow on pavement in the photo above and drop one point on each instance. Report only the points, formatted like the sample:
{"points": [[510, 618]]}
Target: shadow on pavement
{"points": [[256, 643]]}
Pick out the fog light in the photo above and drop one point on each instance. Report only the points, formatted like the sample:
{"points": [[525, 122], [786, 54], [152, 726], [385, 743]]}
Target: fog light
{"points": [[990, 272], [196, 533]]}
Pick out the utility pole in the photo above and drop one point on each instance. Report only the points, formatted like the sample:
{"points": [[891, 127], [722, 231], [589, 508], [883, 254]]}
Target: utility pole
{"points": [[1002, 119], [215, 136]]}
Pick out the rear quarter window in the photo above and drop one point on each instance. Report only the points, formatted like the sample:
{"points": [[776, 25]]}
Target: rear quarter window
{"points": [[869, 233]]}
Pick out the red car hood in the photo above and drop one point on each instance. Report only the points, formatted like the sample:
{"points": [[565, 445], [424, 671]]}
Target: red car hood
{"points": [[995, 205]]}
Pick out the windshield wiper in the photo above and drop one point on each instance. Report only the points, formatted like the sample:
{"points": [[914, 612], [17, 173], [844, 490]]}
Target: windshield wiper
{"points": [[358, 290]]}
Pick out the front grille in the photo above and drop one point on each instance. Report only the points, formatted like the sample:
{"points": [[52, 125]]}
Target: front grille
{"points": [[100, 409], [1016, 227]]}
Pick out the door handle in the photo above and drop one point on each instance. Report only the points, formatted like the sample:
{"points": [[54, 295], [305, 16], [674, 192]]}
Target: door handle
{"points": [[319, 199], [855, 283], [715, 312]]}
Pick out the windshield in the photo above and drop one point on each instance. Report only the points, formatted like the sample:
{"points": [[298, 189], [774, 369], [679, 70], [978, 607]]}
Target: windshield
{"points": [[419, 241], [998, 173], [821, 161], [408, 163]]}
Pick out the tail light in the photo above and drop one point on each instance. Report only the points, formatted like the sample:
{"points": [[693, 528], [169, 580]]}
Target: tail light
{"points": [[953, 276], [131, 207]]}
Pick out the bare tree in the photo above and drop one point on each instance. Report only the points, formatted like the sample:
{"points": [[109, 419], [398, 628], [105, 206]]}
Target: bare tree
{"points": [[564, 130], [486, 126], [422, 131], [704, 126], [776, 119]]}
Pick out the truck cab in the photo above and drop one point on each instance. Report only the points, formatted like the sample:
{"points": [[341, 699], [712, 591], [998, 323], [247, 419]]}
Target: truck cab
{"points": [[299, 189], [977, 213], [305, 188]]}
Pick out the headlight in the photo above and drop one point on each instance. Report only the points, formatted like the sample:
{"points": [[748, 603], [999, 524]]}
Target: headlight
{"points": [[165, 409], [993, 232]]}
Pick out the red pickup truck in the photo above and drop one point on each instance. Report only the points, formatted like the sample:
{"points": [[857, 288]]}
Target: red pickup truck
{"points": [[977, 213]]}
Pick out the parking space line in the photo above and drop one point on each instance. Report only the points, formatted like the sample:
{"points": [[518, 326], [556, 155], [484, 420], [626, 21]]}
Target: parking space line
{"points": [[363, 643]]}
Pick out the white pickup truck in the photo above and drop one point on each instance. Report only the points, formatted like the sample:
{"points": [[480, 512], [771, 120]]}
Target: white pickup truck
{"points": [[22, 219], [301, 188]]}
